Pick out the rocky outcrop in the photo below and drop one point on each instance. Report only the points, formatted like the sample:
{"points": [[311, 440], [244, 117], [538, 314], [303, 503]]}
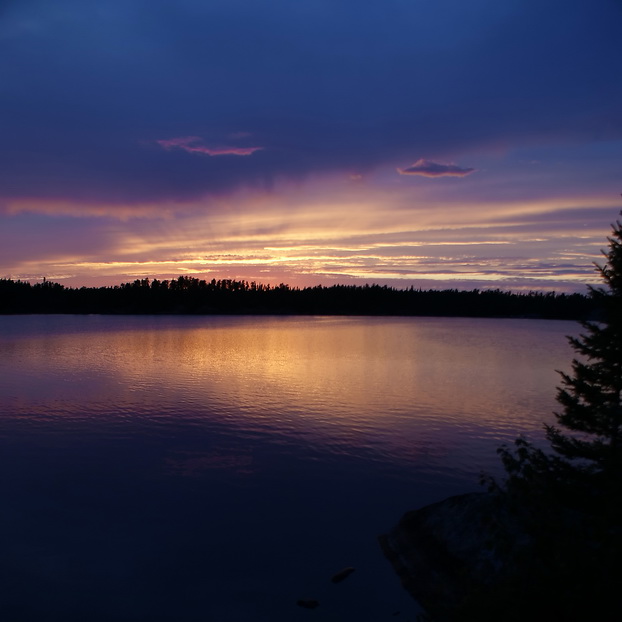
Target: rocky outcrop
{"points": [[456, 555]]}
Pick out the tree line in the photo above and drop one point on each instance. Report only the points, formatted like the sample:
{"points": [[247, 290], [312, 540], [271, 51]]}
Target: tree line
{"points": [[191, 295]]}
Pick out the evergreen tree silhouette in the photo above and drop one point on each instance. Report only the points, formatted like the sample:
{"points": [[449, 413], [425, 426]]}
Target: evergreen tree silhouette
{"points": [[568, 500], [587, 439]]}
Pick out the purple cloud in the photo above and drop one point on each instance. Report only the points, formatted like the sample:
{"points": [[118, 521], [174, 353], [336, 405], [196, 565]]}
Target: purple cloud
{"points": [[189, 144], [427, 168]]}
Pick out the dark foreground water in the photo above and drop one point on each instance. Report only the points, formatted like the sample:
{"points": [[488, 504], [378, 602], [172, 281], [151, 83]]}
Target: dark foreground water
{"points": [[219, 469]]}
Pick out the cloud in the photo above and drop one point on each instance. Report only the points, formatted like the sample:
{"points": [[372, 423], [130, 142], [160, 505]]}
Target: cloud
{"points": [[427, 168], [75, 209], [188, 143], [318, 96]]}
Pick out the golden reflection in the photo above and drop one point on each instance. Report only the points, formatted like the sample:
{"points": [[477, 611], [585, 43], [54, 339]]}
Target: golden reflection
{"points": [[329, 378]]}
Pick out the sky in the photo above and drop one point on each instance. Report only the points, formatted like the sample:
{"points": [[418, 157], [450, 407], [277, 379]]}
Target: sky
{"points": [[444, 144]]}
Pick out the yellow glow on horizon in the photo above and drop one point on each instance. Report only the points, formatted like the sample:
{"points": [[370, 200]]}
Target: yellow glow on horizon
{"points": [[367, 236]]}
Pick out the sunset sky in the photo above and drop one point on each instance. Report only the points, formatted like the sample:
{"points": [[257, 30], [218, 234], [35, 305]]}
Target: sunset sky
{"points": [[430, 143]]}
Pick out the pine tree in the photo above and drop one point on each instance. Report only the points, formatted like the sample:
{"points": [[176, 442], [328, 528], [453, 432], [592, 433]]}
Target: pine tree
{"points": [[567, 500], [587, 439], [592, 395]]}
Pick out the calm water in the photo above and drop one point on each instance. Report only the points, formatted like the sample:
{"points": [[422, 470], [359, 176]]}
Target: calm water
{"points": [[216, 468]]}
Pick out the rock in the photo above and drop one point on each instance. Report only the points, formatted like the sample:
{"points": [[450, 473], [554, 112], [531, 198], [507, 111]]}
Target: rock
{"points": [[342, 574], [309, 603], [452, 552]]}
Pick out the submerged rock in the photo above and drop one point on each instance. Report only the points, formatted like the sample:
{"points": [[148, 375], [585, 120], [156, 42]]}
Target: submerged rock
{"points": [[308, 603], [342, 574]]}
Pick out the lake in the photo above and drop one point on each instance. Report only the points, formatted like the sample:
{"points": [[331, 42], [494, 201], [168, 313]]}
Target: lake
{"points": [[182, 468]]}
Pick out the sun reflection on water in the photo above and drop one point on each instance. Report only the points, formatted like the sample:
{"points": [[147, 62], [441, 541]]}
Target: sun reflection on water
{"points": [[382, 386]]}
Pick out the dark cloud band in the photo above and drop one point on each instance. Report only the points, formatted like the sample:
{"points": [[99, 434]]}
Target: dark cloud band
{"points": [[84, 89]]}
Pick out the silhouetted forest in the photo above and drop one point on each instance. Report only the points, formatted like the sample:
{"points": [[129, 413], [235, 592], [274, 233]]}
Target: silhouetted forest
{"points": [[189, 295]]}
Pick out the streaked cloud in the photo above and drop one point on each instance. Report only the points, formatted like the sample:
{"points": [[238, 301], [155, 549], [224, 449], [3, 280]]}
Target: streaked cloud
{"points": [[76, 209], [192, 144], [427, 168], [283, 239]]}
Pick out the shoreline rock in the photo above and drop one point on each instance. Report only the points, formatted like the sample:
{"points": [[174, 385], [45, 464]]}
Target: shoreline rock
{"points": [[455, 554]]}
